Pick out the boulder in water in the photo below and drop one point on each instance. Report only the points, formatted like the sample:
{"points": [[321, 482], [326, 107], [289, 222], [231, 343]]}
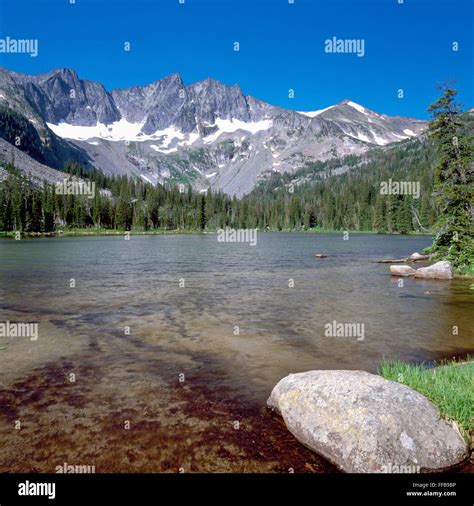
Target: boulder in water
{"points": [[439, 270], [364, 423], [401, 270]]}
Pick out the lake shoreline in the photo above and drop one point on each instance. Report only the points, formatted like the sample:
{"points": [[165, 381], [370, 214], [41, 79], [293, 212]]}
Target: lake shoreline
{"points": [[112, 232]]}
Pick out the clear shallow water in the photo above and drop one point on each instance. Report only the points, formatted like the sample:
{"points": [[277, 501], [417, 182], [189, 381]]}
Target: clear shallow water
{"points": [[190, 330], [136, 283]]}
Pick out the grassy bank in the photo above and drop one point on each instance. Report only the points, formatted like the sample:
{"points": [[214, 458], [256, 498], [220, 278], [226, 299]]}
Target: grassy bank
{"points": [[449, 385], [467, 271], [462, 266]]}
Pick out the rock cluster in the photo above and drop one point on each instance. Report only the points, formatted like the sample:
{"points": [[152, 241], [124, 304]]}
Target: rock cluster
{"points": [[439, 270]]}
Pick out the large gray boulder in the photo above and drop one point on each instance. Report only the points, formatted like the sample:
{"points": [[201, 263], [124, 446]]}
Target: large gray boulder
{"points": [[364, 423], [439, 270]]}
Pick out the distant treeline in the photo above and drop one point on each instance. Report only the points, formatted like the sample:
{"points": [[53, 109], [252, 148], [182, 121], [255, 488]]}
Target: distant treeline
{"points": [[317, 196]]}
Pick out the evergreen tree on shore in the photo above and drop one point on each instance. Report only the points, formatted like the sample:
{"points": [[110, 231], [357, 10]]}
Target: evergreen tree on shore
{"points": [[454, 181]]}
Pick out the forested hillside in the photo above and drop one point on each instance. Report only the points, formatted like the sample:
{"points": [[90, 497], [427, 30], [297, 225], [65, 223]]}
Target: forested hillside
{"points": [[346, 194], [333, 195]]}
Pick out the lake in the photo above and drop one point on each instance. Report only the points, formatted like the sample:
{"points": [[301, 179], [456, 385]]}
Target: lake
{"points": [[158, 353]]}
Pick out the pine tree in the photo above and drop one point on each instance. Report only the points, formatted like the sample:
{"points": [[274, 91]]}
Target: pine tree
{"points": [[454, 181], [202, 218], [96, 209]]}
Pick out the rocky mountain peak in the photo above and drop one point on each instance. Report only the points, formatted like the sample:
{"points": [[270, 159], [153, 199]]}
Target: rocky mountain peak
{"points": [[207, 132]]}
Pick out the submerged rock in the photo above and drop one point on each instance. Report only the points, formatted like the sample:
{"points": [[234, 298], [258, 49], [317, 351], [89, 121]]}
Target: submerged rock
{"points": [[364, 423], [439, 270], [401, 270]]}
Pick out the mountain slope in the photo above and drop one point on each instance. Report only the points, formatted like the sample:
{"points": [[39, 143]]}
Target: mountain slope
{"points": [[207, 134], [22, 124], [35, 171]]}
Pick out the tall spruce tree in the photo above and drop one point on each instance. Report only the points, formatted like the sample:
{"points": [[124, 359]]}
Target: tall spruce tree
{"points": [[454, 181], [202, 218]]}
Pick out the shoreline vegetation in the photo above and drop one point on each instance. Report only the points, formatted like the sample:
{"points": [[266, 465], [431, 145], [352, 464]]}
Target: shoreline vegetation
{"points": [[84, 231], [453, 184], [448, 384]]}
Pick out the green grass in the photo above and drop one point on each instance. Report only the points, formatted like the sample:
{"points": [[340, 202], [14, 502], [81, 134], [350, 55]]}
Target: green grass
{"points": [[467, 271], [449, 385]]}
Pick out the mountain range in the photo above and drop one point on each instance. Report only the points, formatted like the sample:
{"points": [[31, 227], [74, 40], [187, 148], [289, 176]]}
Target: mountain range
{"points": [[206, 134]]}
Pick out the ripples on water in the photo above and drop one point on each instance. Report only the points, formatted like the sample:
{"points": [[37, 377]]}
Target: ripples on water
{"points": [[190, 330]]}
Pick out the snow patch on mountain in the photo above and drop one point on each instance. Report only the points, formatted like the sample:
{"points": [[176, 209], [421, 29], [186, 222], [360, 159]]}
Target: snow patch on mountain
{"points": [[313, 114], [123, 130], [232, 125], [357, 107], [373, 138], [118, 131], [192, 138], [361, 137], [163, 150], [379, 140]]}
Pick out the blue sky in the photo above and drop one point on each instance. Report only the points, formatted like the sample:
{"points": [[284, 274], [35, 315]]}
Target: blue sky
{"points": [[407, 46]]}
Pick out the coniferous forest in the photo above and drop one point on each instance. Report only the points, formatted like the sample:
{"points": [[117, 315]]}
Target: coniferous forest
{"points": [[318, 196]]}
